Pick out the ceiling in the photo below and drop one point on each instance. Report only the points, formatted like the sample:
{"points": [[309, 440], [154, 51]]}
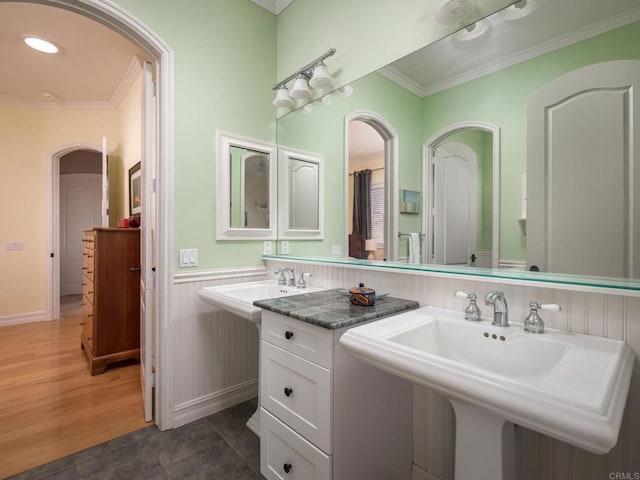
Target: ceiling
{"points": [[95, 65], [553, 24], [93, 69]]}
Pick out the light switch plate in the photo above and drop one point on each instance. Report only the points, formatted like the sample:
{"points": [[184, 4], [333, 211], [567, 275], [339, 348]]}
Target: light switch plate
{"points": [[185, 257], [284, 247], [336, 250], [13, 245], [266, 249]]}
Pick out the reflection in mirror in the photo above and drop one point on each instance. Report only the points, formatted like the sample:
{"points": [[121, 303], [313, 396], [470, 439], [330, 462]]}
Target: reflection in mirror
{"points": [[462, 165], [249, 188], [371, 144], [246, 188], [490, 78], [301, 195], [365, 207]]}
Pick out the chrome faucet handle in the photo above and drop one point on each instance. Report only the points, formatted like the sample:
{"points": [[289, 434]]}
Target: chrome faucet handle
{"points": [[301, 281], [281, 279], [472, 312], [533, 323]]}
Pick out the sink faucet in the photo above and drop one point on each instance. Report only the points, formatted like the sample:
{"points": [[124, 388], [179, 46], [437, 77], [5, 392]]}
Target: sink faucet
{"points": [[285, 273], [500, 310]]}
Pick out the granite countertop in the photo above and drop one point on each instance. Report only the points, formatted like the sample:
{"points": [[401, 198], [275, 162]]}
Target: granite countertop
{"points": [[331, 309]]}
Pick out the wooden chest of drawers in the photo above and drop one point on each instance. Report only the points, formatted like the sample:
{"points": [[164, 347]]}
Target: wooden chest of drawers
{"points": [[111, 296]]}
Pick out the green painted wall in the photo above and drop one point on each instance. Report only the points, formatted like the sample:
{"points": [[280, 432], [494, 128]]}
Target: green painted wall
{"points": [[225, 65], [322, 132], [501, 99]]}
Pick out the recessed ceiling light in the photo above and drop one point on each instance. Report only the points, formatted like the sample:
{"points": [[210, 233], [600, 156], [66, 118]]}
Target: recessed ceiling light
{"points": [[40, 44]]}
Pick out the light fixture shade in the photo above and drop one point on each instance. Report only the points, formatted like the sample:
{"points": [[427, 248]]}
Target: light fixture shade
{"points": [[321, 77], [453, 11], [282, 98], [300, 88]]}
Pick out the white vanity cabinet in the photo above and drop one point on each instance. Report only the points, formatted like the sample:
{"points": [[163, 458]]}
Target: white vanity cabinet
{"points": [[325, 414]]}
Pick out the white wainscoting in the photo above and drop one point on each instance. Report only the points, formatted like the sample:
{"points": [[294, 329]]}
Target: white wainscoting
{"points": [[216, 353], [610, 314]]}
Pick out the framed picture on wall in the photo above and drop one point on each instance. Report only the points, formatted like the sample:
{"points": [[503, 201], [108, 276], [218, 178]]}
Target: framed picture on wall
{"points": [[409, 201], [135, 190]]}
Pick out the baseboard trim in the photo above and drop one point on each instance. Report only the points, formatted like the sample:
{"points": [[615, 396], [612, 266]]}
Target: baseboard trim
{"points": [[201, 407], [418, 473], [29, 317]]}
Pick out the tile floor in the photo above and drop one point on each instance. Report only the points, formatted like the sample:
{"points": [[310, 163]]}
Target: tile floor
{"points": [[216, 447]]}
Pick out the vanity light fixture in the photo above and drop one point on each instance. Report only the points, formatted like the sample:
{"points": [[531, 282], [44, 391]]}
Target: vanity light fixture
{"points": [[519, 9], [283, 99], [313, 75], [475, 30], [301, 87], [40, 44], [454, 11]]}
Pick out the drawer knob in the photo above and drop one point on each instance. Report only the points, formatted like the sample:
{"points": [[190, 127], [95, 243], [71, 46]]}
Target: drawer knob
{"points": [[288, 391], [288, 335], [287, 467]]}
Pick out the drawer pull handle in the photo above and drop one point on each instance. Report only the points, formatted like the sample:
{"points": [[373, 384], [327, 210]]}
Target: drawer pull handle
{"points": [[81, 323], [134, 269], [90, 292], [287, 467], [288, 391], [89, 314], [288, 335]]}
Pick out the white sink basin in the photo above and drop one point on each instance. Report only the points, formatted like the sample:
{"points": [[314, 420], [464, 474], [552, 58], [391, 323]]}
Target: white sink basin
{"points": [[570, 386], [238, 298]]}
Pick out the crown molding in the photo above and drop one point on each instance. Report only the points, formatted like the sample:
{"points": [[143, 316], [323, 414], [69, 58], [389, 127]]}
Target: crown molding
{"points": [[274, 6], [121, 91], [522, 56], [130, 75]]}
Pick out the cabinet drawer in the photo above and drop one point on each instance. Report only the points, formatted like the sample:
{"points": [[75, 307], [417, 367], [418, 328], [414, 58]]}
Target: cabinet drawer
{"points": [[303, 339], [282, 449], [88, 288], [87, 323], [88, 264], [298, 392]]}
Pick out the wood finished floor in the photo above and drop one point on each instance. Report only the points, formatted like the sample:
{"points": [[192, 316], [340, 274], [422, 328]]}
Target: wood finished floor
{"points": [[50, 405]]}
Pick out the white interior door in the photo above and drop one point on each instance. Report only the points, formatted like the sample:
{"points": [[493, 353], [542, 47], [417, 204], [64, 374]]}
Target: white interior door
{"points": [[583, 180], [454, 204], [147, 222], [80, 195], [105, 184]]}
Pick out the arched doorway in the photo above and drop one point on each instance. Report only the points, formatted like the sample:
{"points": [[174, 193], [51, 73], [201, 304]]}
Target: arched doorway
{"points": [[389, 142], [129, 27]]}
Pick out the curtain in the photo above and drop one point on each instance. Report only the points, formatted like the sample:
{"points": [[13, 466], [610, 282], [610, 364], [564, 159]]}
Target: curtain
{"points": [[362, 203]]}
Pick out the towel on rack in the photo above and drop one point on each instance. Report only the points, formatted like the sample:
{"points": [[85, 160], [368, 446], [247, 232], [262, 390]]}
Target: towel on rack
{"points": [[414, 248]]}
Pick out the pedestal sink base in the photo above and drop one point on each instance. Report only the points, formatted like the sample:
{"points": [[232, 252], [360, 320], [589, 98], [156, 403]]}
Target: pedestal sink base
{"points": [[484, 444], [253, 423]]}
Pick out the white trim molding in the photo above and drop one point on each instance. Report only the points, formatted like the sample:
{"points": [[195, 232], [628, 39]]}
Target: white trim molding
{"points": [[218, 274], [274, 6], [198, 408], [20, 318]]}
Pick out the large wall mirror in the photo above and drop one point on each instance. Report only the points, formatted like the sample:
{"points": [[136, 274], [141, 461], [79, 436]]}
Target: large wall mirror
{"points": [[246, 188], [487, 73]]}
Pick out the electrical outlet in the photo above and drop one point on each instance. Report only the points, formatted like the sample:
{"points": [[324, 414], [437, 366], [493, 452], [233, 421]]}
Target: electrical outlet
{"points": [[266, 248], [336, 250], [284, 247]]}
